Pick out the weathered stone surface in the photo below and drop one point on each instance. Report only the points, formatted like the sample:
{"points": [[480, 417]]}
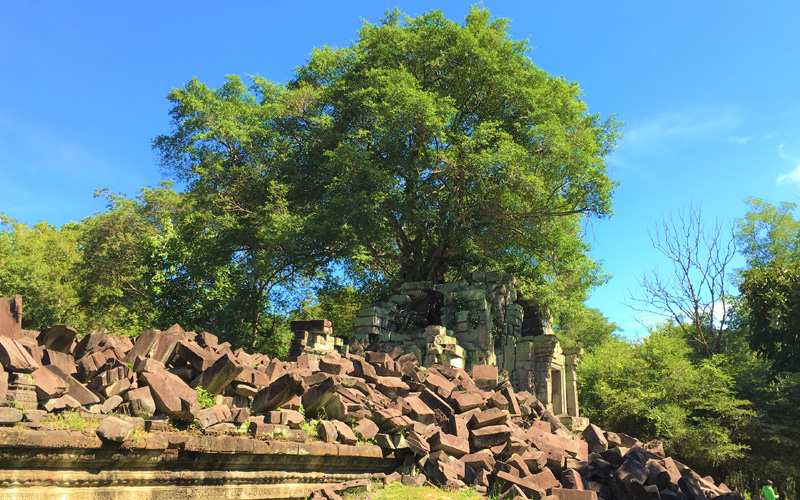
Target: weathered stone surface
{"points": [[58, 338], [48, 384], [90, 342], [62, 403], [417, 410], [482, 459], [16, 358], [64, 362], [530, 489], [367, 429], [11, 317], [224, 371], [143, 346], [172, 395], [572, 494], [440, 385], [335, 365], [278, 393], [545, 479], [327, 431], [485, 376], [196, 356], [452, 445], [468, 401], [392, 387], [115, 429], [75, 389], [214, 415], [110, 405], [345, 433], [493, 435], [492, 416], [10, 416], [595, 438], [141, 401]]}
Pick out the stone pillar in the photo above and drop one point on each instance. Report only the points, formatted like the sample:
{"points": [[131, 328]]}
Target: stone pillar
{"points": [[571, 358], [544, 347], [11, 317]]}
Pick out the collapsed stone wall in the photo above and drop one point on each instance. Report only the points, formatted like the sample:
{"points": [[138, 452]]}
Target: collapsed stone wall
{"points": [[434, 423], [477, 322]]}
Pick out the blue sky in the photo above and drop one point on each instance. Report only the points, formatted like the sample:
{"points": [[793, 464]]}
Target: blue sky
{"points": [[708, 91]]}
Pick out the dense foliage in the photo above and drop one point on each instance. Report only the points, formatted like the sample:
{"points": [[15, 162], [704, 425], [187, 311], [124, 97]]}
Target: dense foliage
{"points": [[424, 151]]}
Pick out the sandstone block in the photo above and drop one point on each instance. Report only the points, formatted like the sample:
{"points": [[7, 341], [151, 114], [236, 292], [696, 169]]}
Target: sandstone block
{"points": [[468, 401], [224, 371], [115, 429], [485, 376], [62, 403], [172, 395], [214, 415], [16, 358], [493, 435], [335, 365], [530, 489], [9, 416], [141, 401], [64, 362], [278, 393], [345, 433], [482, 459], [327, 431], [75, 389], [492, 416], [392, 387], [452, 445], [143, 346], [595, 438], [58, 338], [440, 385], [48, 384], [572, 494], [417, 410], [11, 316], [110, 404], [367, 429]]}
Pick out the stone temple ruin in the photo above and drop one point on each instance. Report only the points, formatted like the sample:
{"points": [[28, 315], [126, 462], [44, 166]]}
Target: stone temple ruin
{"points": [[483, 321]]}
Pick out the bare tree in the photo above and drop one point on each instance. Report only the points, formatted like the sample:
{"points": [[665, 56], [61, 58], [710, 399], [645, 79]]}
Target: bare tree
{"points": [[694, 294]]}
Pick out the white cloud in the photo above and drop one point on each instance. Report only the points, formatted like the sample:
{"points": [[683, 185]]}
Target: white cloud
{"points": [[793, 176], [740, 140], [656, 132]]}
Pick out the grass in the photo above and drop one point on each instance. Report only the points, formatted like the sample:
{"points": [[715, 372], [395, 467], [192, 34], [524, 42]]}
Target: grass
{"points": [[71, 420], [205, 398], [310, 427], [396, 491]]}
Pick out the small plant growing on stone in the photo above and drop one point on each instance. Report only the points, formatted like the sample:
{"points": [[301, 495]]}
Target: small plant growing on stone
{"points": [[310, 428], [72, 420], [205, 398]]}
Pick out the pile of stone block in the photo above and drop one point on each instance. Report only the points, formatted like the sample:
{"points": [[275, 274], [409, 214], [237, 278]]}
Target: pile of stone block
{"points": [[443, 424], [314, 338]]}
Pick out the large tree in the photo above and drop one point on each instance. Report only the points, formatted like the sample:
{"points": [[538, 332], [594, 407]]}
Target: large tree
{"points": [[425, 150], [39, 262], [440, 148], [770, 288]]}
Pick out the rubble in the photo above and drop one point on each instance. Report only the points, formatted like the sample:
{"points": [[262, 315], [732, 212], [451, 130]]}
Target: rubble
{"points": [[444, 424]]}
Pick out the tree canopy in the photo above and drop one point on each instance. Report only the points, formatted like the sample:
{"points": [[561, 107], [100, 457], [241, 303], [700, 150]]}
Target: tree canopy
{"points": [[425, 150]]}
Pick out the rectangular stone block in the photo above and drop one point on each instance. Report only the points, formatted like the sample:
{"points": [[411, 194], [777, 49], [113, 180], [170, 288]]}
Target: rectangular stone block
{"points": [[11, 317]]}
